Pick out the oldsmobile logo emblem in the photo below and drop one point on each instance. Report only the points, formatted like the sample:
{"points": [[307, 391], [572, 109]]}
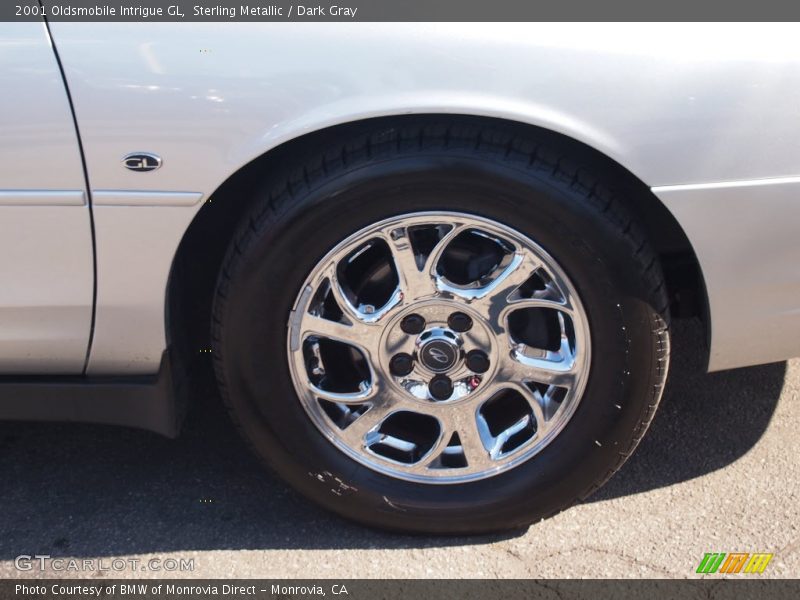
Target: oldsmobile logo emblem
{"points": [[439, 356]]}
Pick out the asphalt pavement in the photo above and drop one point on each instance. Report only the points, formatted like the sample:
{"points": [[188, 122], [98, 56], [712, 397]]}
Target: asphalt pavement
{"points": [[718, 472]]}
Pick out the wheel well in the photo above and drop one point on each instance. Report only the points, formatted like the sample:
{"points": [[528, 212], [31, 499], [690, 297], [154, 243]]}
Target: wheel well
{"points": [[203, 247]]}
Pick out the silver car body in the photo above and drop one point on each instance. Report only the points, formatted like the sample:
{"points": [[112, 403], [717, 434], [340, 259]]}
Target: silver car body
{"points": [[705, 115]]}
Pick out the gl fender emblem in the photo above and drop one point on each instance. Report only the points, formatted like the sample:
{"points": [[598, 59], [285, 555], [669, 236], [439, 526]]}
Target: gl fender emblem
{"points": [[141, 161]]}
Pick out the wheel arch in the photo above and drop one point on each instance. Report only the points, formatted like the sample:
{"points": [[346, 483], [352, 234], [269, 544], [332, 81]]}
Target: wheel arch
{"points": [[203, 246]]}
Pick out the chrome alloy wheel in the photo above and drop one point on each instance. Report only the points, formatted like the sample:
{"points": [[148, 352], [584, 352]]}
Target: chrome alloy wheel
{"points": [[439, 347]]}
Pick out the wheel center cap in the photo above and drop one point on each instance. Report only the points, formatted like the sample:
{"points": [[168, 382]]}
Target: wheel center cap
{"points": [[439, 355]]}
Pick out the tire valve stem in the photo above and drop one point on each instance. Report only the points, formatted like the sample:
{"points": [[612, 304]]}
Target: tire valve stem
{"points": [[473, 382]]}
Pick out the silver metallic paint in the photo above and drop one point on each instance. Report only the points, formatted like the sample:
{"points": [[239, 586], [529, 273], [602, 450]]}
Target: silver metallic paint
{"points": [[746, 235], [45, 236], [676, 104]]}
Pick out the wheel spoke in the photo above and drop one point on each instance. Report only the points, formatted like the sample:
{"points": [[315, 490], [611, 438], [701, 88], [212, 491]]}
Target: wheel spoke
{"points": [[561, 306], [340, 297], [436, 254], [491, 299], [550, 367], [519, 270], [366, 393], [439, 447], [383, 404], [357, 334], [476, 439], [519, 367], [413, 282], [542, 406], [496, 443], [353, 313], [416, 282]]}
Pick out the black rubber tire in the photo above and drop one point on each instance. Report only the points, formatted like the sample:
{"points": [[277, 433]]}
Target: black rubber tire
{"points": [[448, 165]]}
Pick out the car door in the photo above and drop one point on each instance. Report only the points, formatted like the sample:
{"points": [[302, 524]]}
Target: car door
{"points": [[46, 257]]}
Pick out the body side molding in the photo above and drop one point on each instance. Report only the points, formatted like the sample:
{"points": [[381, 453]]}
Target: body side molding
{"points": [[144, 198], [42, 198]]}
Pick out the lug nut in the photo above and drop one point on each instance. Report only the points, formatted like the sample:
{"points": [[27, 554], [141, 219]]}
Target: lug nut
{"points": [[477, 361], [412, 324], [459, 322], [440, 387], [401, 364]]}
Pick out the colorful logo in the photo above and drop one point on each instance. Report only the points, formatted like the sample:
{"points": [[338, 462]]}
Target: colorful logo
{"points": [[736, 562]]}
